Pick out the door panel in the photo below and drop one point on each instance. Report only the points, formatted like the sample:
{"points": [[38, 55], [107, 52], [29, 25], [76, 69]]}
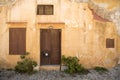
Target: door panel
{"points": [[45, 46], [50, 45], [55, 47]]}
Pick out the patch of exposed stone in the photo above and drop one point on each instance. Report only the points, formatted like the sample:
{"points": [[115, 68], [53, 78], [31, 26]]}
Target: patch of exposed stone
{"points": [[6, 2], [112, 15], [115, 17], [101, 10]]}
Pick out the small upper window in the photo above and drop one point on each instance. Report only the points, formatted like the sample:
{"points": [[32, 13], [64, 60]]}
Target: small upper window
{"points": [[109, 43], [45, 10]]}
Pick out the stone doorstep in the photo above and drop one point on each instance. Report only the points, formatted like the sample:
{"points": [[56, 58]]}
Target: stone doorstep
{"points": [[53, 67], [50, 67]]}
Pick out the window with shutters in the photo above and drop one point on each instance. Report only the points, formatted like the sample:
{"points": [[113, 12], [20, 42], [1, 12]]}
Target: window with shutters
{"points": [[17, 40], [44, 9], [109, 43]]}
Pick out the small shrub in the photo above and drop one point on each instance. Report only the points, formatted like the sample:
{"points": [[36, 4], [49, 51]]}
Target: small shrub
{"points": [[72, 64], [100, 69], [84, 72], [26, 65]]}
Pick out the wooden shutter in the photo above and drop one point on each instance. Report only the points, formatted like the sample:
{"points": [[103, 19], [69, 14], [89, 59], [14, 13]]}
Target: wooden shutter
{"points": [[22, 41], [17, 40], [49, 9], [13, 46], [40, 10], [109, 43], [45, 10]]}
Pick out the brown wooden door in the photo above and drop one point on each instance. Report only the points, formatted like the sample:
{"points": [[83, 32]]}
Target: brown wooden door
{"points": [[50, 40]]}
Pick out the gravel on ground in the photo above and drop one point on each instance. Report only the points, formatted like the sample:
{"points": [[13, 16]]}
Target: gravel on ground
{"points": [[112, 74]]}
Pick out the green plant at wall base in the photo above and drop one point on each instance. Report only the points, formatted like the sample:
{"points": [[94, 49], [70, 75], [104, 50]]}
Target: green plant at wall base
{"points": [[100, 69], [26, 65], [72, 64]]}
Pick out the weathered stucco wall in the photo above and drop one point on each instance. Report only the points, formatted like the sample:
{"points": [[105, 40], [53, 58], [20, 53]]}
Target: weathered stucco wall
{"points": [[109, 4], [82, 36]]}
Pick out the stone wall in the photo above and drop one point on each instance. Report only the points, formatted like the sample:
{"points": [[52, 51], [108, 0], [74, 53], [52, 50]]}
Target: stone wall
{"points": [[108, 9], [82, 35], [112, 14]]}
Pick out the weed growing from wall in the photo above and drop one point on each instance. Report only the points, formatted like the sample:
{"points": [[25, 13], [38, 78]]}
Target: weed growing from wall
{"points": [[101, 69]]}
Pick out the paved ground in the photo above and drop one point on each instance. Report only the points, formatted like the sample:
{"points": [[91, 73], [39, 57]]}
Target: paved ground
{"points": [[112, 74]]}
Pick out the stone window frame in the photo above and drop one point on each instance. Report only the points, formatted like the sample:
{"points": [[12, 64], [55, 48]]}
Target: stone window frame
{"points": [[15, 24]]}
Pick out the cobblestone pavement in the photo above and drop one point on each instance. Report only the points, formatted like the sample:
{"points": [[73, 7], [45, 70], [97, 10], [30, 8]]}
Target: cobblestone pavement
{"points": [[112, 74]]}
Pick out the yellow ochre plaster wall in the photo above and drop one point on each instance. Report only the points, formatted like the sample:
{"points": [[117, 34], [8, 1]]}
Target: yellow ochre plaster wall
{"points": [[82, 36], [110, 4]]}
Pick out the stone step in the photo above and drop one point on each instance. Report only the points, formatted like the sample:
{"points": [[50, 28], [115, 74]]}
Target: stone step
{"points": [[50, 67]]}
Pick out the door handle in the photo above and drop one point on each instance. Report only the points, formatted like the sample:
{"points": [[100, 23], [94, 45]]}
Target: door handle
{"points": [[46, 54]]}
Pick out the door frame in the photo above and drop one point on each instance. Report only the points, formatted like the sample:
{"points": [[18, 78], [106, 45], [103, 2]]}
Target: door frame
{"points": [[44, 25]]}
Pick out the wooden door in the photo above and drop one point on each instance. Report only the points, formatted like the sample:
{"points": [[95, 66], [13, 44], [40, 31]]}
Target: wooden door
{"points": [[50, 42]]}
